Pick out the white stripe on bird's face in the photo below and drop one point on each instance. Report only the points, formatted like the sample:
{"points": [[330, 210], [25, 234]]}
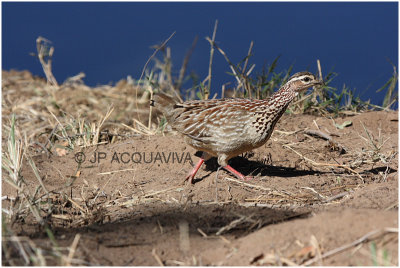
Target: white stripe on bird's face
{"points": [[306, 78], [301, 81]]}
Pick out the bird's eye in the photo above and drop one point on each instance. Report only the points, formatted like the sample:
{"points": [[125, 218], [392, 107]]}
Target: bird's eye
{"points": [[306, 79]]}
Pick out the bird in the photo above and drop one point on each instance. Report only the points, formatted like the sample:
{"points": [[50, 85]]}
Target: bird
{"points": [[227, 127]]}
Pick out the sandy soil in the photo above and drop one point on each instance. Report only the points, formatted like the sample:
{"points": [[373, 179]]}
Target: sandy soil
{"points": [[308, 197]]}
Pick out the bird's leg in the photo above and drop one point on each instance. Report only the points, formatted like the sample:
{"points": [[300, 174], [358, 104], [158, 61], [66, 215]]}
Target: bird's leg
{"points": [[237, 173], [191, 175]]}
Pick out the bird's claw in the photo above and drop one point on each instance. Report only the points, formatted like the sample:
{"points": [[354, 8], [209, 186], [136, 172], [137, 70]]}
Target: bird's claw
{"points": [[190, 178], [247, 178]]}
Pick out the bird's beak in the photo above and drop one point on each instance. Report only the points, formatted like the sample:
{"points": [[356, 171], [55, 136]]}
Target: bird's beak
{"points": [[319, 83]]}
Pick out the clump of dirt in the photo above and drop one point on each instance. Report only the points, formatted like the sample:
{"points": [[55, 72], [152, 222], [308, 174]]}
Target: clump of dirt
{"points": [[126, 203]]}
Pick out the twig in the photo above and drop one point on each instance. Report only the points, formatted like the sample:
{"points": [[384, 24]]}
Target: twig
{"points": [[317, 90], [315, 123], [77, 205], [371, 140], [145, 130], [208, 88], [224, 239], [250, 69], [145, 66], [185, 63], [388, 161], [150, 106], [62, 127], [160, 227], [72, 249], [159, 192], [247, 58], [115, 171], [61, 217], [97, 133], [102, 189], [244, 75], [327, 137], [257, 204], [154, 53], [231, 225], [6, 197], [248, 184], [319, 70], [184, 241], [324, 164], [317, 249], [392, 206], [178, 263], [37, 175], [154, 253], [318, 133], [287, 262], [335, 197], [49, 137], [44, 52], [216, 185], [21, 248], [354, 243], [226, 58], [287, 132], [320, 196], [202, 233]]}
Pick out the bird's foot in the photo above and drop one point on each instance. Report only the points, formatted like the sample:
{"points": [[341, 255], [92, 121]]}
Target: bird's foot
{"points": [[192, 174], [190, 177], [237, 174]]}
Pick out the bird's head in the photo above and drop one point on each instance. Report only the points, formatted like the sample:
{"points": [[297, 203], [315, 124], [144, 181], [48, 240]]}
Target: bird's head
{"points": [[303, 80]]}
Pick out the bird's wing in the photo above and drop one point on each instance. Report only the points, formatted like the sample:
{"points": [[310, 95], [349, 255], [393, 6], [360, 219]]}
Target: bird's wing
{"points": [[201, 120]]}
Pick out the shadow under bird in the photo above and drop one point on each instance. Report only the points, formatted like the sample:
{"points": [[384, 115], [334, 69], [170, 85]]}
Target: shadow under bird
{"points": [[225, 128]]}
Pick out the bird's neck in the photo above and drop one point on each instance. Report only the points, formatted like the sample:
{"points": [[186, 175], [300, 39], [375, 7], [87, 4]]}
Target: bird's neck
{"points": [[280, 100], [283, 96], [277, 103]]}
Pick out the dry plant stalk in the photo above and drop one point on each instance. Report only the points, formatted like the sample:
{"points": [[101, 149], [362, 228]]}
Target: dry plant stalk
{"points": [[156, 257], [361, 240], [226, 58], [46, 53], [316, 90], [97, 135], [184, 240], [145, 66], [248, 184], [208, 87], [240, 74], [72, 250], [324, 164], [182, 71]]}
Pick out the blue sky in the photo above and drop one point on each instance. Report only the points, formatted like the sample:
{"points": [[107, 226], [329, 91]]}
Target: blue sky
{"points": [[109, 41]]}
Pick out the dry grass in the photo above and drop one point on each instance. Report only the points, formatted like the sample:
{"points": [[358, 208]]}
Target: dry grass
{"points": [[26, 206], [42, 116], [48, 114]]}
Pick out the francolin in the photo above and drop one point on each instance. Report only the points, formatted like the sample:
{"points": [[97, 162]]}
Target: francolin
{"points": [[225, 128]]}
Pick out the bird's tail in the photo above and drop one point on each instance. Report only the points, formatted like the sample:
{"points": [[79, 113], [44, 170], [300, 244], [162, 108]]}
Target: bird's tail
{"points": [[163, 103]]}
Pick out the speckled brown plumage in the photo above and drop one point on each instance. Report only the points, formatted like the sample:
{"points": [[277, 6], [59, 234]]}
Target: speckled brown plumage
{"points": [[228, 127]]}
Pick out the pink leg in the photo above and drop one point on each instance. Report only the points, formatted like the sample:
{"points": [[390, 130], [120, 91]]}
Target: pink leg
{"points": [[192, 174], [237, 173]]}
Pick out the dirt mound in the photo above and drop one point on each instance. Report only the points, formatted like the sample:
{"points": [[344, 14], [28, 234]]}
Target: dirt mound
{"points": [[125, 203]]}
